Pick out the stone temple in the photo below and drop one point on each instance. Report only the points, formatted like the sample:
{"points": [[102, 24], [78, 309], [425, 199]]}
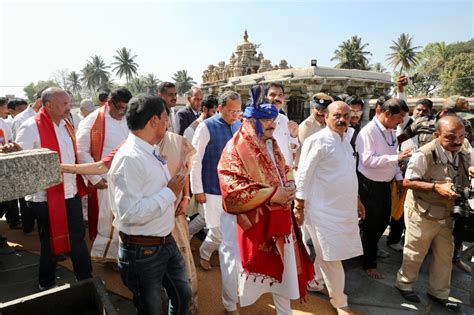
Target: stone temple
{"points": [[246, 68]]}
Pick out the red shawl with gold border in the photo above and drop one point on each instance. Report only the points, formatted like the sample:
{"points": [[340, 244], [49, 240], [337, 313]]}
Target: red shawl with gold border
{"points": [[248, 179]]}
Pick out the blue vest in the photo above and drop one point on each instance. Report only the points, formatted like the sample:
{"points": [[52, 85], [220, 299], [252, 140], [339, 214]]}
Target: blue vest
{"points": [[220, 133]]}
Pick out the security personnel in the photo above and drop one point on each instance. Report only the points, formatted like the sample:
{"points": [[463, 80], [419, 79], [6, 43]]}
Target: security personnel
{"points": [[431, 172]]}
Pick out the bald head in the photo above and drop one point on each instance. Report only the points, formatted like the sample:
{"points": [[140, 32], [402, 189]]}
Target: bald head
{"points": [[450, 133], [338, 105], [448, 122], [338, 117], [57, 103]]}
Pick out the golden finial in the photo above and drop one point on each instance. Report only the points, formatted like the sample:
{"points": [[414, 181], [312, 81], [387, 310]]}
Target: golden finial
{"points": [[246, 36]]}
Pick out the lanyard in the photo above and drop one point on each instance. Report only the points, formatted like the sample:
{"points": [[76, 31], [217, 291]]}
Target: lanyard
{"points": [[159, 157], [383, 135]]}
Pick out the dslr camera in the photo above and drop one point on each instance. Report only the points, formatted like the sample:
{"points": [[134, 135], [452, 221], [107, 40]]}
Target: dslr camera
{"points": [[461, 208]]}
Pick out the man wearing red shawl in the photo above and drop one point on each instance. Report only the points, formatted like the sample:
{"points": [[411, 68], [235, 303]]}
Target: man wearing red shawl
{"points": [[258, 188], [58, 209]]}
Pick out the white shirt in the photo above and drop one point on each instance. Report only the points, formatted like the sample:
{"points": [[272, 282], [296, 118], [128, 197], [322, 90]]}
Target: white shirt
{"points": [[200, 140], [28, 138], [21, 118], [284, 139], [7, 133], [139, 198], [116, 131], [327, 181], [378, 161]]}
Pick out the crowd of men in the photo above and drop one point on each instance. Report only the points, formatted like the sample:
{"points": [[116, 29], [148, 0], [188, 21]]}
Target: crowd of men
{"points": [[265, 191]]}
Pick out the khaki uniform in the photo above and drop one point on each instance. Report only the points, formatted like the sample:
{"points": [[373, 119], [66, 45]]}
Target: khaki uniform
{"points": [[307, 128], [429, 223]]}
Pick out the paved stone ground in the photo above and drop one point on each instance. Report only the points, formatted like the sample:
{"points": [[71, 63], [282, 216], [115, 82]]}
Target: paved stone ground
{"points": [[18, 278]]}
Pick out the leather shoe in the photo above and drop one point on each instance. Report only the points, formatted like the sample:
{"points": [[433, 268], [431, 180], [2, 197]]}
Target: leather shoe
{"points": [[453, 306], [409, 295]]}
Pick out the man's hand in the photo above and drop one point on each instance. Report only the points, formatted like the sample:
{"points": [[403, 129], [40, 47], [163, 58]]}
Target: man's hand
{"points": [[283, 195], [444, 189], [10, 147], [200, 198], [404, 154], [182, 207], [402, 80], [101, 185], [293, 128], [360, 209], [471, 171], [298, 210], [176, 184]]}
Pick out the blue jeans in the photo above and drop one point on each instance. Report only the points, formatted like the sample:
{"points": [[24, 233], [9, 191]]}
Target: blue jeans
{"points": [[146, 269]]}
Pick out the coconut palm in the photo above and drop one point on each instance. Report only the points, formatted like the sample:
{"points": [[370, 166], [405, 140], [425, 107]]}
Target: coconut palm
{"points": [[87, 77], [351, 54], [95, 74], [404, 54], [74, 82], [151, 83], [138, 85], [182, 81], [125, 64]]}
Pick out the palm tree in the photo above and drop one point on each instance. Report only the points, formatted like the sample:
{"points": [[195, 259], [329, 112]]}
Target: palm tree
{"points": [[151, 83], [87, 77], [378, 67], [137, 85], [182, 81], [74, 82], [404, 54], [351, 54], [97, 73], [125, 65]]}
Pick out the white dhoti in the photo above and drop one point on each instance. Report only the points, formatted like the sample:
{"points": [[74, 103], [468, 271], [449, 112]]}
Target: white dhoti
{"points": [[105, 246], [287, 289]]}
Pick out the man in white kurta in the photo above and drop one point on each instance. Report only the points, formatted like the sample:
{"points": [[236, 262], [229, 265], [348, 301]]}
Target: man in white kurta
{"points": [[209, 140], [328, 167], [105, 246]]}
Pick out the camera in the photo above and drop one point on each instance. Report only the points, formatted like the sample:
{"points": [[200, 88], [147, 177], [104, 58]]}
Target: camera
{"points": [[461, 208]]}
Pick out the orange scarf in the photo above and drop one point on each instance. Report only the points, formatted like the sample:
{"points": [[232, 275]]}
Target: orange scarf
{"points": [[96, 148], [58, 226]]}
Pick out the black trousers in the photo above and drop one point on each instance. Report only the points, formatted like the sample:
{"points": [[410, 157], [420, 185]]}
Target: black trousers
{"points": [[80, 256], [27, 217], [377, 201], [396, 230], [10, 210]]}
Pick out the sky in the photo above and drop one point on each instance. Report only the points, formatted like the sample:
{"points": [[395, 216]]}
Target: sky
{"points": [[38, 38]]}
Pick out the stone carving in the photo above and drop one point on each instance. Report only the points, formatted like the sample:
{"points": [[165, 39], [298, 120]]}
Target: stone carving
{"points": [[26, 172]]}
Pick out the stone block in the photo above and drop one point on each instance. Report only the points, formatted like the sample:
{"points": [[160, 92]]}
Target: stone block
{"points": [[26, 172]]}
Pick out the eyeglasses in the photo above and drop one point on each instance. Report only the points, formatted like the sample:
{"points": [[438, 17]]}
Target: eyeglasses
{"points": [[234, 112]]}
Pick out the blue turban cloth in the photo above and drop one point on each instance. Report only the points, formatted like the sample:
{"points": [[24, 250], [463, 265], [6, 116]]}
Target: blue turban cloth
{"points": [[259, 108]]}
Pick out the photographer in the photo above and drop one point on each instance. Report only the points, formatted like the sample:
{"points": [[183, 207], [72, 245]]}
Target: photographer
{"points": [[434, 174]]}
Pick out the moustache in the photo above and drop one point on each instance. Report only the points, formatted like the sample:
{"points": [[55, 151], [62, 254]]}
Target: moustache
{"points": [[269, 129], [340, 124]]}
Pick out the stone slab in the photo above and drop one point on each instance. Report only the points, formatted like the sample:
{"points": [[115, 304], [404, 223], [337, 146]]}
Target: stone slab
{"points": [[26, 172]]}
